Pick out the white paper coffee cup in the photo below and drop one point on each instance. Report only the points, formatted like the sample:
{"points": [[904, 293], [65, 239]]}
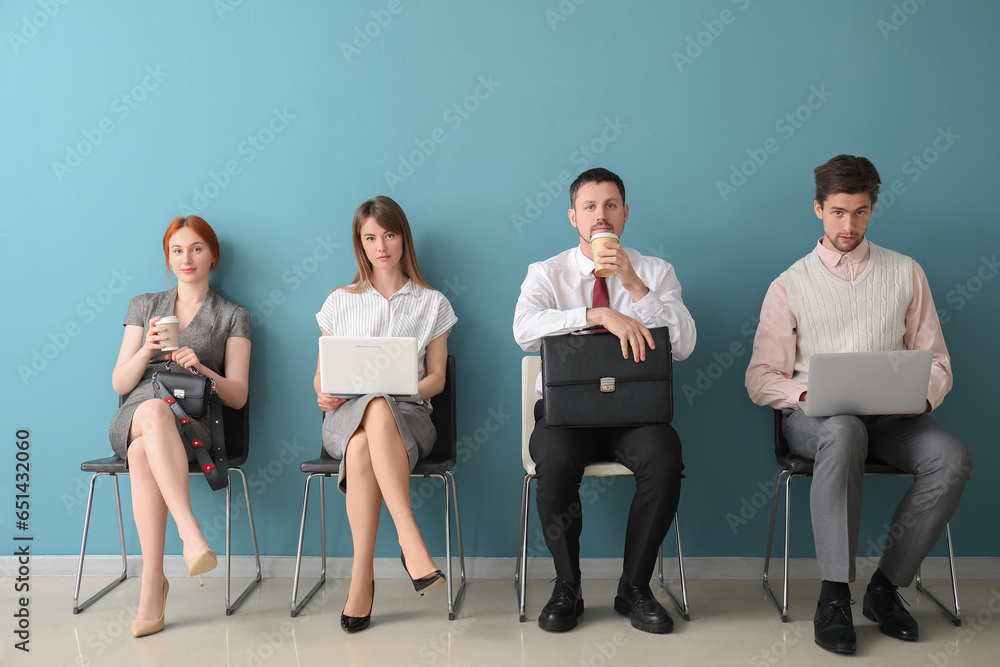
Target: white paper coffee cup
{"points": [[171, 325], [601, 241]]}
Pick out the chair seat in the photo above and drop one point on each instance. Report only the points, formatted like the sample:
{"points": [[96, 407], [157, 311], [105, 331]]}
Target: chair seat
{"points": [[115, 465], [800, 466], [329, 466], [110, 464]]}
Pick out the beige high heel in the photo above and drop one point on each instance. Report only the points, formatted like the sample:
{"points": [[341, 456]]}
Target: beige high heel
{"points": [[202, 563], [142, 628]]}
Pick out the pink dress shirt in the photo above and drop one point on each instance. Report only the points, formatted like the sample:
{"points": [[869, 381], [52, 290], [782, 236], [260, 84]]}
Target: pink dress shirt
{"points": [[768, 378]]}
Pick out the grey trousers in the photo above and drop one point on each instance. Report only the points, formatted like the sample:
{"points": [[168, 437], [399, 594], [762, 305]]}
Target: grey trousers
{"points": [[839, 446]]}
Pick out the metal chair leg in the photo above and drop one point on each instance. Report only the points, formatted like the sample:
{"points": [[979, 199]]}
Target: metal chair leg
{"points": [[785, 477], [682, 603], [521, 566], [253, 535], [296, 608], [77, 607], [453, 602], [956, 616]]}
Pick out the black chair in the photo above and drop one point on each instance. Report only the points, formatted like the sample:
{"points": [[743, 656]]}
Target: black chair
{"points": [[237, 429], [793, 466], [438, 465]]}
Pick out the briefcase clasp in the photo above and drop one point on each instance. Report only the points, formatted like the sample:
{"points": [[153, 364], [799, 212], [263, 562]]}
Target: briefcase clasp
{"points": [[607, 385]]}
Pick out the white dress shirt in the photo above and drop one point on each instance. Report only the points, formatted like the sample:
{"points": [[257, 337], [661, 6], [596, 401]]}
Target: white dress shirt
{"points": [[556, 293]]}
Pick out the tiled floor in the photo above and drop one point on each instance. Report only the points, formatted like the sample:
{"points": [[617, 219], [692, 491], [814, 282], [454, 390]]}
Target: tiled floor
{"points": [[732, 624]]}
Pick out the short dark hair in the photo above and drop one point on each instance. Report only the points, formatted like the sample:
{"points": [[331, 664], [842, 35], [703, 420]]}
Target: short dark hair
{"points": [[595, 175], [846, 174]]}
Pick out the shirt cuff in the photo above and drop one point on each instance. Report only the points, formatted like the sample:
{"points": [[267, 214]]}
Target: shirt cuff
{"points": [[648, 307], [576, 318]]}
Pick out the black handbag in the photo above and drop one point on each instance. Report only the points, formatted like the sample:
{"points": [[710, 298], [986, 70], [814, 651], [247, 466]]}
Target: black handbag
{"points": [[191, 390], [587, 383], [188, 395]]}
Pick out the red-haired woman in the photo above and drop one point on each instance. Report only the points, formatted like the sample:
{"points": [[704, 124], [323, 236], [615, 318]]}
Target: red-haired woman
{"points": [[214, 341], [378, 439]]}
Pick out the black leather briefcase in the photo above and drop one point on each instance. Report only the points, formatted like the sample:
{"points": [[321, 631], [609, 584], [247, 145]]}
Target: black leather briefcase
{"points": [[587, 383]]}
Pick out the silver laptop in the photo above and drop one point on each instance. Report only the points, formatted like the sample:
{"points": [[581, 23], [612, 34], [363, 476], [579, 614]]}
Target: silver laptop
{"points": [[868, 383], [350, 367]]}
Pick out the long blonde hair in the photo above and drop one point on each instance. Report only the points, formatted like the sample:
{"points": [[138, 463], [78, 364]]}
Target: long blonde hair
{"points": [[390, 217]]}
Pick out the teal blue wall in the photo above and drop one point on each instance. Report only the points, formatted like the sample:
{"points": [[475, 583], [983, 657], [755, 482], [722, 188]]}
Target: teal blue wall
{"points": [[118, 116]]}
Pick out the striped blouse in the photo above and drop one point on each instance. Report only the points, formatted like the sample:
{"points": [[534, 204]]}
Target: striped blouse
{"points": [[412, 312]]}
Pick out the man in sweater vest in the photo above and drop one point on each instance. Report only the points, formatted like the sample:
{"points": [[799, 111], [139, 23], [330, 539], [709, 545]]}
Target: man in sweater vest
{"points": [[849, 295]]}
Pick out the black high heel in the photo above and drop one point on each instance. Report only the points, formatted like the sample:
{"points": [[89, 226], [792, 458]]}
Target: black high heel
{"points": [[432, 580], [357, 623]]}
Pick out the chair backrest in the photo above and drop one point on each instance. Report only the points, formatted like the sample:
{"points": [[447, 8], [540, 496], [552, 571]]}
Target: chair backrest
{"points": [[237, 428], [531, 366], [781, 450], [444, 417]]}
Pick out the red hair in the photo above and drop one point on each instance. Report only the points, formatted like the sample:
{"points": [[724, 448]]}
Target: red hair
{"points": [[199, 227]]}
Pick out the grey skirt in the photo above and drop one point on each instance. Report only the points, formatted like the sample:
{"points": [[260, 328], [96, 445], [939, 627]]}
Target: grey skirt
{"points": [[412, 419]]}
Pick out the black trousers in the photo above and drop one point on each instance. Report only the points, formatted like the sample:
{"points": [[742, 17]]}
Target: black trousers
{"points": [[652, 453]]}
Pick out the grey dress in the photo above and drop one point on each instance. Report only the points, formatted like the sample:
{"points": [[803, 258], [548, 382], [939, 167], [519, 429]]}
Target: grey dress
{"points": [[215, 322]]}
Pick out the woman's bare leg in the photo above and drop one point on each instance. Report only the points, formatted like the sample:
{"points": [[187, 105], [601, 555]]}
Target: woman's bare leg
{"points": [[150, 514], [364, 502], [158, 469], [391, 467]]}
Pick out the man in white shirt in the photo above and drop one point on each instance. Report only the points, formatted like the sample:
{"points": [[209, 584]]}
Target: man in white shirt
{"points": [[557, 297]]}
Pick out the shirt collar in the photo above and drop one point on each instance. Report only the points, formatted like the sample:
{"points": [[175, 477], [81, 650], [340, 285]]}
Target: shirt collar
{"points": [[832, 258], [584, 263], [409, 287]]}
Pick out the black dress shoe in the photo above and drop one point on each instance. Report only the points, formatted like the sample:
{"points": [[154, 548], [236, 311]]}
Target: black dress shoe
{"points": [[357, 623], [833, 625], [883, 605], [646, 612], [563, 608], [432, 580]]}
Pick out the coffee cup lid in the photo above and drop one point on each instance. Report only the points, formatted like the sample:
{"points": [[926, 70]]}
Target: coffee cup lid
{"points": [[167, 319], [599, 235]]}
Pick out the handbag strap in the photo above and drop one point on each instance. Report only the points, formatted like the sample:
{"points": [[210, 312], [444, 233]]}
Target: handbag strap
{"points": [[217, 470]]}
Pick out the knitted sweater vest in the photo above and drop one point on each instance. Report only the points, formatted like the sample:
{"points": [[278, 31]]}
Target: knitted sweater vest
{"points": [[835, 315]]}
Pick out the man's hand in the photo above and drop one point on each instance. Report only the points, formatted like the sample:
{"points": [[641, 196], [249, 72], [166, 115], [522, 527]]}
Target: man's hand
{"points": [[616, 258], [630, 331]]}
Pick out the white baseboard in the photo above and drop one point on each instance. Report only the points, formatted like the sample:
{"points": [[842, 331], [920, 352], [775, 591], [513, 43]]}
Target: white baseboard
{"points": [[490, 568]]}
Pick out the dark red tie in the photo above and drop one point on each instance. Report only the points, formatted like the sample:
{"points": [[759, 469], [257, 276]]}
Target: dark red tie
{"points": [[601, 293], [600, 297]]}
